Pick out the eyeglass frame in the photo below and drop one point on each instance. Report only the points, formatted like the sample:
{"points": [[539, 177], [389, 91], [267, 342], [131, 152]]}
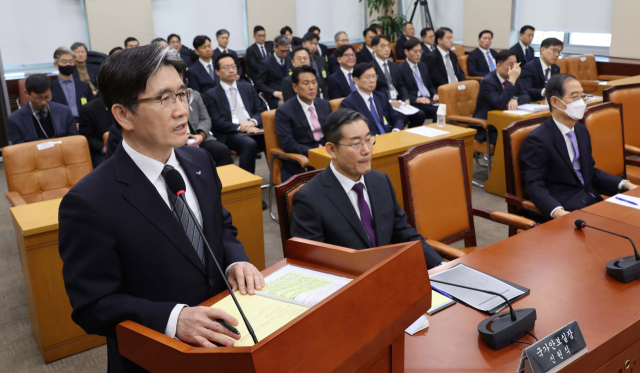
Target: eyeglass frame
{"points": [[187, 91], [358, 145], [41, 99]]}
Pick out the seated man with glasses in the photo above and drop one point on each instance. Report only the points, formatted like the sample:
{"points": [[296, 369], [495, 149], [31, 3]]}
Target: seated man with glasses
{"points": [[537, 72], [40, 119], [557, 166], [66, 89], [301, 57], [340, 83], [349, 204]]}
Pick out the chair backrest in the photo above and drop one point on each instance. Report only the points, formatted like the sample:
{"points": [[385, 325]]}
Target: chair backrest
{"points": [[440, 209], [458, 50], [562, 64], [357, 46], [605, 126], [271, 142], [393, 49], [629, 96], [335, 103], [513, 137], [284, 200], [41, 175], [582, 67], [105, 138], [463, 64], [24, 98], [460, 97]]}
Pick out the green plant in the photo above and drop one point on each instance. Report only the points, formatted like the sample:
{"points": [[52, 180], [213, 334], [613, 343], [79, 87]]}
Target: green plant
{"points": [[391, 23]]}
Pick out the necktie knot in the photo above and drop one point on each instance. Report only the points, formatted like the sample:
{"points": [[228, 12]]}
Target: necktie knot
{"points": [[571, 135], [358, 188], [311, 109]]}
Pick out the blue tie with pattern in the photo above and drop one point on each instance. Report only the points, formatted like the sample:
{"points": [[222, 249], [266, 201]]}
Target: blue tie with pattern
{"points": [[376, 118]]}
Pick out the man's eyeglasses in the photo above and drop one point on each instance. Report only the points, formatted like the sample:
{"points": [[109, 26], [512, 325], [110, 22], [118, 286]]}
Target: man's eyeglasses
{"points": [[369, 142], [229, 67], [41, 99], [168, 99]]}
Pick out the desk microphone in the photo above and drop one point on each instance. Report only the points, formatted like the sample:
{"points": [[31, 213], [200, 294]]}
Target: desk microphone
{"points": [[624, 269], [176, 185], [499, 331]]}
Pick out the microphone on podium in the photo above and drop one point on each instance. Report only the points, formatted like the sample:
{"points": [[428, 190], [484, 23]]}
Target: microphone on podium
{"points": [[499, 331], [624, 269], [176, 185]]}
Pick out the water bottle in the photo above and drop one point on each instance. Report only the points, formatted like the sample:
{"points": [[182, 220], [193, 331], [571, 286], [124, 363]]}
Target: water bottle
{"points": [[441, 120]]}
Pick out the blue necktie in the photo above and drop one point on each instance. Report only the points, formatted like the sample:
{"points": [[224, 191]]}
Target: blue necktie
{"points": [[375, 116], [262, 50], [421, 87], [351, 84], [491, 65]]}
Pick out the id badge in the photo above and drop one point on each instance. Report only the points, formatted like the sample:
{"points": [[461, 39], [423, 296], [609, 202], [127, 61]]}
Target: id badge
{"points": [[234, 118], [324, 74], [83, 100]]}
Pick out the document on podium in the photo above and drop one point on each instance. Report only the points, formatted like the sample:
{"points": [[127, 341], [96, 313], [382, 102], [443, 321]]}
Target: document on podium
{"points": [[625, 200]]}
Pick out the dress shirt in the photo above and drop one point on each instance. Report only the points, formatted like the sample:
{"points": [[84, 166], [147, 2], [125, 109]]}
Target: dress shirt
{"points": [[69, 89], [544, 68], [221, 49], [370, 50], [262, 48], [152, 169], [346, 75], [365, 97], [239, 103], [500, 79], [486, 58], [444, 57], [206, 65], [429, 47], [392, 88], [413, 72], [524, 48], [347, 185], [37, 111], [307, 113], [278, 59]]}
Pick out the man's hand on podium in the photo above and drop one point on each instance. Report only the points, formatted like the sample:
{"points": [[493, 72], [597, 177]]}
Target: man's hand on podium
{"points": [[243, 275], [197, 327]]}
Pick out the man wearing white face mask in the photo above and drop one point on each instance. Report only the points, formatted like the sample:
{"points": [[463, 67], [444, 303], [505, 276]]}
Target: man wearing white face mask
{"points": [[557, 166]]}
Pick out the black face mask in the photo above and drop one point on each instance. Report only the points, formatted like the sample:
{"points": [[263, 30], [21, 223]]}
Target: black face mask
{"points": [[66, 70]]}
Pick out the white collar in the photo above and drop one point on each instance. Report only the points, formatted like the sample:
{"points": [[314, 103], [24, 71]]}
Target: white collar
{"points": [[347, 184], [380, 62], [226, 86], [259, 45], [442, 52], [411, 64], [544, 66], [500, 78], [346, 72], [221, 49], [205, 64], [151, 168], [278, 59], [370, 50], [564, 129], [522, 45], [484, 51], [304, 105], [365, 96]]}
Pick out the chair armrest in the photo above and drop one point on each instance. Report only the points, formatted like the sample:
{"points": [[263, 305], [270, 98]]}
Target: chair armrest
{"points": [[589, 86], [611, 77], [15, 199], [478, 78], [469, 120], [446, 251], [304, 161], [632, 162], [631, 149], [505, 218], [521, 203]]}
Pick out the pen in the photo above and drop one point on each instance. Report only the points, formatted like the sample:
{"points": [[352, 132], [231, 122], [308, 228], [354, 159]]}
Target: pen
{"points": [[624, 200], [441, 292], [518, 64], [228, 326]]}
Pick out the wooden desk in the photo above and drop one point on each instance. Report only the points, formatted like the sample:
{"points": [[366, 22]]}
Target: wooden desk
{"points": [[36, 227], [391, 145], [497, 182], [565, 270], [616, 212], [609, 84]]}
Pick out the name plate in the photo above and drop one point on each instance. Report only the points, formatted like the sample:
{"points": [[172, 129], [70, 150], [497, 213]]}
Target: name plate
{"points": [[554, 352]]}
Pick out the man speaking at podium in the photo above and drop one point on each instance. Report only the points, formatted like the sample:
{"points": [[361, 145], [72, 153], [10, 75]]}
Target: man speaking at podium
{"points": [[130, 250]]}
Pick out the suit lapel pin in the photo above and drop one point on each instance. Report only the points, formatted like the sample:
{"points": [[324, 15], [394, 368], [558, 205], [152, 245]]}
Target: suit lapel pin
{"points": [[198, 172]]}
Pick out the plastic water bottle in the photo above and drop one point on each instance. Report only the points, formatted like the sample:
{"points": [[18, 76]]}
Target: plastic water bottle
{"points": [[441, 120]]}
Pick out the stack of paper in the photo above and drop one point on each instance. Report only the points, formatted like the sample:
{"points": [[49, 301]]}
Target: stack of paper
{"points": [[406, 109], [533, 108], [421, 324], [427, 131]]}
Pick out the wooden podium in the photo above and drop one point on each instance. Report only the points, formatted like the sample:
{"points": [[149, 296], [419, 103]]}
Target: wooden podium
{"points": [[360, 328]]}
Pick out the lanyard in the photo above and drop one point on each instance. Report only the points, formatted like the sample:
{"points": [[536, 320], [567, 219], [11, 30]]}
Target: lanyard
{"points": [[55, 132]]}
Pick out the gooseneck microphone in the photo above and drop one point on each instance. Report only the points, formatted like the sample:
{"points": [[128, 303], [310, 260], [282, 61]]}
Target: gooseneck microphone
{"points": [[176, 185], [499, 331], [624, 269]]}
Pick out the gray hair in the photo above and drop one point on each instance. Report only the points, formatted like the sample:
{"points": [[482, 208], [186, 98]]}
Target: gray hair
{"points": [[61, 52], [281, 40], [337, 37]]}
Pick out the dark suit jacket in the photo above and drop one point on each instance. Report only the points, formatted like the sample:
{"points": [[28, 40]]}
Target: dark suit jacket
{"points": [[323, 212], [364, 55], [437, 70], [325, 52], [94, 121], [383, 108], [270, 75], [332, 64], [493, 95], [188, 56], [409, 81], [83, 90], [217, 105], [93, 74], [253, 58], [400, 48], [199, 78], [141, 263], [293, 128], [477, 64], [21, 129], [216, 53], [532, 78], [337, 85], [425, 52], [549, 177], [114, 140], [288, 93], [522, 59], [382, 85], [321, 72]]}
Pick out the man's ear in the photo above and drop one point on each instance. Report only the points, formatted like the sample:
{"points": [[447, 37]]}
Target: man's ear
{"points": [[331, 149], [123, 116]]}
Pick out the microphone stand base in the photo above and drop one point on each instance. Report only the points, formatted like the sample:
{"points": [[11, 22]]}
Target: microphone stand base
{"points": [[498, 331], [625, 269]]}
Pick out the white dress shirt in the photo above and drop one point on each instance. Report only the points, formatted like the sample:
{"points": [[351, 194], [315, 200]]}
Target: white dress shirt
{"points": [[307, 113], [346, 75], [524, 48], [370, 50], [486, 58], [206, 65], [279, 60], [239, 103], [429, 47], [221, 49], [347, 185], [444, 57], [365, 97], [392, 88], [544, 68]]}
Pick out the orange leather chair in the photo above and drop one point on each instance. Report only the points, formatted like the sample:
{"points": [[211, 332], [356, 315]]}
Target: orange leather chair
{"points": [[39, 175], [562, 64], [335, 103], [105, 138], [393, 49], [357, 46], [275, 154], [458, 50], [284, 200], [629, 96], [585, 69], [441, 209], [463, 64]]}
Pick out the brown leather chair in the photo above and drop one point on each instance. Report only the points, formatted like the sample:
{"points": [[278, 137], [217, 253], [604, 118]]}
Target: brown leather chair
{"points": [[105, 138], [441, 209], [275, 154], [393, 49], [24, 98], [586, 70], [513, 138], [629, 96], [39, 175], [335, 103], [562, 64], [463, 64], [458, 50], [357, 46]]}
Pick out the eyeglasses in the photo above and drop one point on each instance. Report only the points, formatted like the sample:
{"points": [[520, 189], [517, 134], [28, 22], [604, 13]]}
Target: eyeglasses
{"points": [[349, 55], [577, 97], [41, 99], [369, 142], [168, 99], [229, 67], [301, 58], [370, 77], [556, 51]]}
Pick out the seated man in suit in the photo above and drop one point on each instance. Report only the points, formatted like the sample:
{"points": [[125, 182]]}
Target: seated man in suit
{"points": [[349, 204], [408, 32], [84, 71], [389, 81], [299, 121], [199, 128], [95, 120], [366, 53], [537, 72], [65, 89], [374, 106], [557, 166], [40, 119], [341, 38], [482, 60], [201, 75], [187, 55], [340, 83], [131, 42], [222, 37], [500, 90], [322, 51], [234, 108], [414, 76], [378, 29], [294, 41], [523, 49], [145, 264], [428, 42], [310, 42], [300, 57], [273, 70], [442, 64], [257, 52]]}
